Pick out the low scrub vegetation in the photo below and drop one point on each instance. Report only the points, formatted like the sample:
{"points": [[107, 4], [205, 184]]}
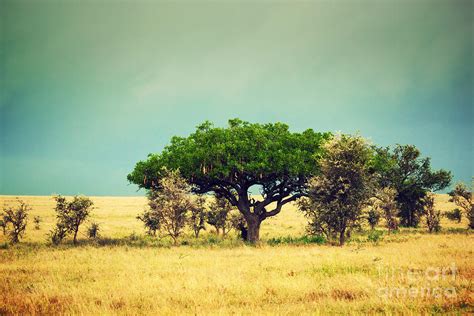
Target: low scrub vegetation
{"points": [[15, 220], [70, 216]]}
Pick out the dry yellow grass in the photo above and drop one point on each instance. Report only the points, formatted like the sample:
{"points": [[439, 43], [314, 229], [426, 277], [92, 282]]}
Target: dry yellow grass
{"points": [[232, 278]]}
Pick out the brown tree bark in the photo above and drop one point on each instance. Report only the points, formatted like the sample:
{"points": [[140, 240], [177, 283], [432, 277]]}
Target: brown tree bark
{"points": [[253, 232], [342, 237]]}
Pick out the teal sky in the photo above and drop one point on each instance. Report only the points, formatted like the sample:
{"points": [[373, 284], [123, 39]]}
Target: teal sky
{"points": [[88, 88]]}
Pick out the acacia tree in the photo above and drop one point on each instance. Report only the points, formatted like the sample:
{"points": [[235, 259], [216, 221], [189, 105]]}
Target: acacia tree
{"points": [[237, 160], [15, 220], [170, 203], [339, 194], [462, 197], [411, 176], [70, 216]]}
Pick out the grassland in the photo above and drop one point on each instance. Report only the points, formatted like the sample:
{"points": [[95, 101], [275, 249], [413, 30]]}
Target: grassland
{"points": [[127, 273]]}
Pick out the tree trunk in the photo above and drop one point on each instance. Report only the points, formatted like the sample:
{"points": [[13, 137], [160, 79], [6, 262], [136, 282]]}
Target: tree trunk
{"points": [[253, 233], [75, 236], [175, 240], [342, 237]]}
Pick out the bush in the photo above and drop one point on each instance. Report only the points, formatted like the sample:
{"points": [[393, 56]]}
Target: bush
{"points": [[58, 234], [239, 223], [150, 221], [70, 215], [93, 230], [454, 215], [15, 221], [375, 236], [197, 218], [373, 218], [462, 197], [304, 240], [433, 217], [3, 225], [37, 220], [218, 215]]}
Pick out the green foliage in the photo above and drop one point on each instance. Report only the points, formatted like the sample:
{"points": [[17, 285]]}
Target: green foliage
{"points": [[454, 215], [242, 153], [375, 236], [462, 197], [338, 195], [15, 220], [170, 203], [304, 240], [411, 176], [229, 161], [70, 216]]}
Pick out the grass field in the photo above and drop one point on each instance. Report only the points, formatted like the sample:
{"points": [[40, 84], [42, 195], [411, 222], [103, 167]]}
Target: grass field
{"points": [[127, 273]]}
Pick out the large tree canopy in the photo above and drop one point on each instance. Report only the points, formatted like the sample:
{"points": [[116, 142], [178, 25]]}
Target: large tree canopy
{"points": [[403, 169], [230, 161]]}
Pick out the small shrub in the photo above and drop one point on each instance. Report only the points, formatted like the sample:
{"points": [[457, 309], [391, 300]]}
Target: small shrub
{"points": [[454, 215], [197, 217], [317, 239], [304, 240], [37, 220], [375, 236], [93, 230], [70, 215], [3, 225], [433, 217], [385, 202], [373, 218], [462, 197], [151, 222], [133, 237], [239, 223], [218, 215], [58, 234], [212, 240], [15, 221]]}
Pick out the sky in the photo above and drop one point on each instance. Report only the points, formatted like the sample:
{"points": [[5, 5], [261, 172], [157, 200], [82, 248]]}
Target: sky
{"points": [[88, 88]]}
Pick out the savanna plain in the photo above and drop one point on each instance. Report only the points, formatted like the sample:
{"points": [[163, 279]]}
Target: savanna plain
{"points": [[126, 272]]}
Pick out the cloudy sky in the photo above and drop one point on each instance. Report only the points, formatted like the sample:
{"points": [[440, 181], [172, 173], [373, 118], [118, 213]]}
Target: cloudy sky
{"points": [[88, 88]]}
